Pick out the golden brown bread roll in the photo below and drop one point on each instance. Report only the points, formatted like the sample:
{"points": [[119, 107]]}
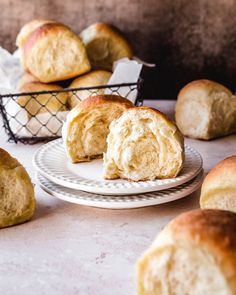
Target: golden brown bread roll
{"points": [[219, 186], [26, 78], [17, 201], [28, 28], [143, 144], [42, 103], [87, 126], [93, 78], [53, 52], [206, 110], [194, 254], [104, 45]]}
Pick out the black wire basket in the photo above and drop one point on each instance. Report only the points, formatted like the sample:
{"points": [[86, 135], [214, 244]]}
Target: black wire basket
{"points": [[39, 116]]}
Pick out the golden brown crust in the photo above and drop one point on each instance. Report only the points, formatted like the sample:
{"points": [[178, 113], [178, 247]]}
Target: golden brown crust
{"points": [[28, 28], [210, 233], [26, 78], [104, 98], [107, 28], [7, 161], [214, 230], [217, 227], [205, 110], [228, 164], [51, 63], [17, 201], [38, 86], [42, 102], [39, 33], [201, 84], [93, 78], [105, 45], [219, 187]]}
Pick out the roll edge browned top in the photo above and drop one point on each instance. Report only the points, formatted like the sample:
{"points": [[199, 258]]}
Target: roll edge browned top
{"points": [[104, 98], [209, 232], [38, 33], [61, 70], [203, 83]]}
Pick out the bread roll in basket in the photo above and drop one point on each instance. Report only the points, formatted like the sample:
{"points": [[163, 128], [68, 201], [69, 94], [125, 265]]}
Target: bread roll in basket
{"points": [[53, 52], [143, 144], [91, 79], [105, 44], [28, 28], [42, 103], [25, 79]]}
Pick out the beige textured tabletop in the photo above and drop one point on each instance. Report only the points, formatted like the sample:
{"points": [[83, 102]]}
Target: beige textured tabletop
{"points": [[72, 249]]}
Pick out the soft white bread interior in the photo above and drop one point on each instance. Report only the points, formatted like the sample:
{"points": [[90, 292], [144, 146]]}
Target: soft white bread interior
{"points": [[41, 103], [93, 78], [219, 187], [53, 52], [17, 201], [143, 144], [87, 125], [206, 110], [104, 45], [26, 78], [195, 254], [28, 28]]}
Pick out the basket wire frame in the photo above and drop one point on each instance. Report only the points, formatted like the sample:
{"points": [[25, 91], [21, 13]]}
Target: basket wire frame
{"points": [[40, 101]]}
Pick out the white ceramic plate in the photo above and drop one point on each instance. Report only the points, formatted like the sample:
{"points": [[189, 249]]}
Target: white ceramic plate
{"points": [[120, 202], [51, 161]]}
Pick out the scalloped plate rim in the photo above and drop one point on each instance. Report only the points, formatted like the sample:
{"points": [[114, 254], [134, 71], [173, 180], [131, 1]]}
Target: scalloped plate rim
{"points": [[108, 187], [109, 202]]}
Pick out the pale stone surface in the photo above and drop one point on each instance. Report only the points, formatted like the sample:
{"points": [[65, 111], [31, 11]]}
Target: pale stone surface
{"points": [[71, 249]]}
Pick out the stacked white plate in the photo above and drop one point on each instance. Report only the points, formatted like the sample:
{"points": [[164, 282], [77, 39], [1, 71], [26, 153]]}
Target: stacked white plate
{"points": [[83, 184]]}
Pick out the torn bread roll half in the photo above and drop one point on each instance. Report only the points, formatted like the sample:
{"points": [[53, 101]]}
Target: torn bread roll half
{"points": [[206, 110], [194, 254], [87, 125], [219, 187], [17, 201], [91, 79], [53, 52], [105, 44], [143, 144]]}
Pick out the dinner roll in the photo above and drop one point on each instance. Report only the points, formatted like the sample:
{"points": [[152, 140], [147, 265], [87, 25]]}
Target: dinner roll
{"points": [[53, 52], [105, 44], [93, 78], [26, 78], [206, 110], [195, 254], [219, 186], [28, 28], [87, 126], [143, 144], [41, 103], [17, 201]]}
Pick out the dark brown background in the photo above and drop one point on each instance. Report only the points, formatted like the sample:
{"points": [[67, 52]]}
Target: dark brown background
{"points": [[186, 39]]}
